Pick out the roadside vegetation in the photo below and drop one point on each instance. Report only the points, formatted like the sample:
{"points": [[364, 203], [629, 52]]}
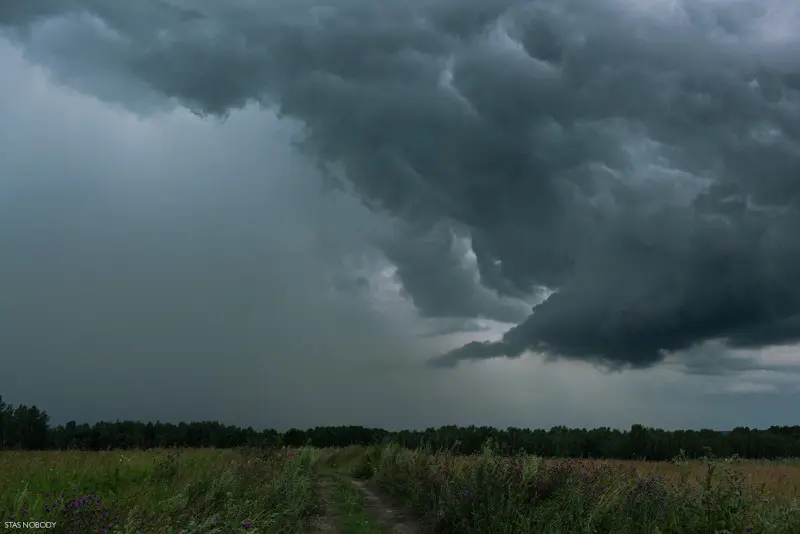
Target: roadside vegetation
{"points": [[353, 516], [487, 493], [206, 477], [280, 491]]}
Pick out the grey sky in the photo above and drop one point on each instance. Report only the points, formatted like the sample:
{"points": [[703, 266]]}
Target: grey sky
{"points": [[288, 214]]}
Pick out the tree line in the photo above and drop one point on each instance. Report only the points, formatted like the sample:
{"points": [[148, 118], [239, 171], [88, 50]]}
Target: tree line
{"points": [[28, 428]]}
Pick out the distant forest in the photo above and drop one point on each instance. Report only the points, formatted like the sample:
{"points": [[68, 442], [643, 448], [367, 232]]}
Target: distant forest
{"points": [[27, 428]]}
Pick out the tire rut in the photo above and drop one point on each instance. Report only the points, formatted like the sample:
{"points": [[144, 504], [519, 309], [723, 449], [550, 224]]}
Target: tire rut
{"points": [[328, 520], [393, 518]]}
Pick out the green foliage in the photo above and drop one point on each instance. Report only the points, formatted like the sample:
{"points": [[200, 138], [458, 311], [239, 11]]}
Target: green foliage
{"points": [[364, 466], [487, 493], [209, 491], [353, 516], [27, 428]]}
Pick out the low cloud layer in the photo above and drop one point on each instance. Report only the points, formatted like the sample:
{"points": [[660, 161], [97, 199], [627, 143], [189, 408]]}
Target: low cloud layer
{"points": [[637, 160]]}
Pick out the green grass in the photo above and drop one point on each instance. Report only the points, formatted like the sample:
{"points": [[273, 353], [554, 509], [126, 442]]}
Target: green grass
{"points": [[214, 491], [208, 491], [354, 517], [487, 494]]}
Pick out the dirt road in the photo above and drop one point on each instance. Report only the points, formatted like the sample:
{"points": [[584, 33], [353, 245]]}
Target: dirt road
{"points": [[392, 518], [382, 515]]}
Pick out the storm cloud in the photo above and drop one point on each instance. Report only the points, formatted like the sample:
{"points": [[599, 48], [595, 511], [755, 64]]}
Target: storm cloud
{"points": [[638, 162]]}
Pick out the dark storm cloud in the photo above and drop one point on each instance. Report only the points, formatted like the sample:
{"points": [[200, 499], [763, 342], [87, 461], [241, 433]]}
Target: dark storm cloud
{"points": [[433, 271], [445, 326], [643, 162]]}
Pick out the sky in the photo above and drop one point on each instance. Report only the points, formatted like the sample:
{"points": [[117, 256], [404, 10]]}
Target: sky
{"points": [[402, 214]]}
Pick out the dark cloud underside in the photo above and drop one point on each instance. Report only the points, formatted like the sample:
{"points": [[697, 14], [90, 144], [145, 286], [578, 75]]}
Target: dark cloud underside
{"points": [[642, 162]]}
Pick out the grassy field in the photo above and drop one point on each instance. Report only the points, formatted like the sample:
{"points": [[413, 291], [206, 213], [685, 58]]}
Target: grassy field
{"points": [[207, 491], [487, 494], [214, 491]]}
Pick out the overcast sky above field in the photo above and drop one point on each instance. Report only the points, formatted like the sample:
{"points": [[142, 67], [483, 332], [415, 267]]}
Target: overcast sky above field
{"points": [[402, 213]]}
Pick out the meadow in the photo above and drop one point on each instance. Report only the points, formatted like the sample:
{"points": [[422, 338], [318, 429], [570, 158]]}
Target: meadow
{"points": [[488, 494], [180, 491], [280, 491]]}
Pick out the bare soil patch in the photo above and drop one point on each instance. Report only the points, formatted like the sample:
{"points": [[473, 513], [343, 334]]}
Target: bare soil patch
{"points": [[392, 517], [328, 520]]}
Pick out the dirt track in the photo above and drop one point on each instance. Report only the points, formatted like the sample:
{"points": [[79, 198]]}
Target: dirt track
{"points": [[392, 519], [328, 520]]}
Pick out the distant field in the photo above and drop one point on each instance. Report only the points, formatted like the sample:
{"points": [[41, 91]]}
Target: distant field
{"points": [[779, 479], [158, 491], [215, 491]]}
